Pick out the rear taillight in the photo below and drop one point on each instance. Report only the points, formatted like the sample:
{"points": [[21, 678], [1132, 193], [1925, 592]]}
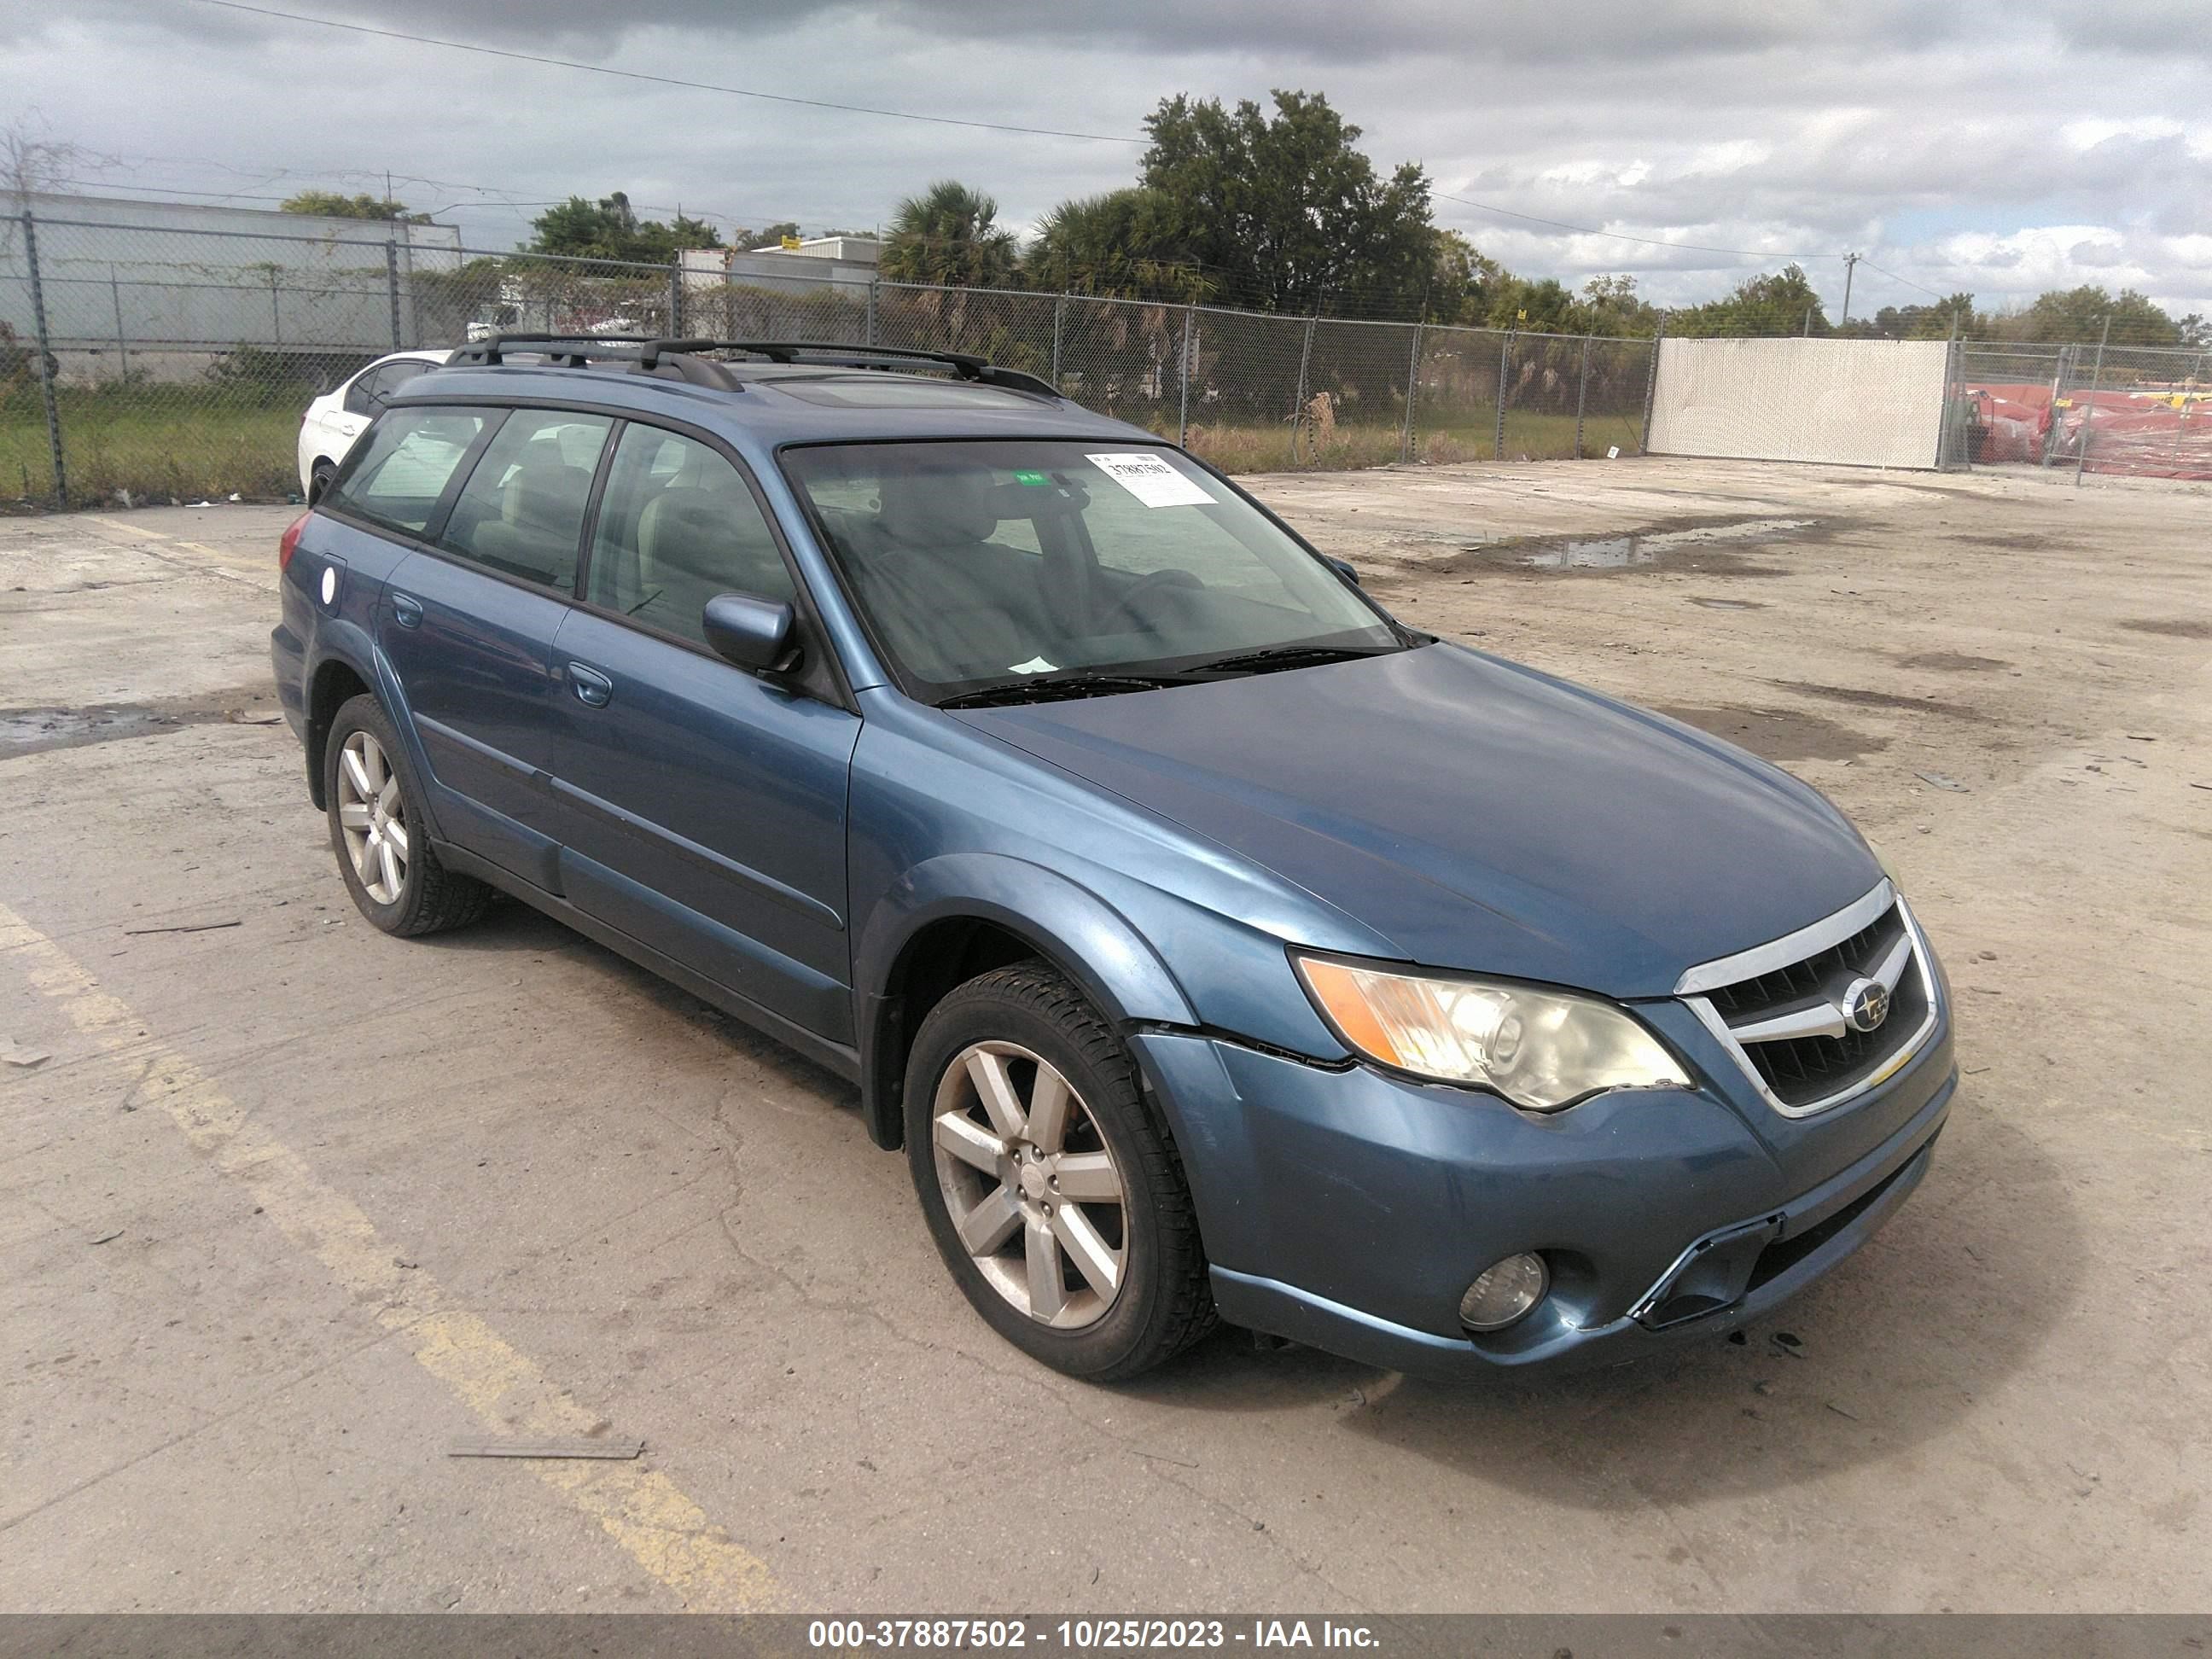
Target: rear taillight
{"points": [[288, 543]]}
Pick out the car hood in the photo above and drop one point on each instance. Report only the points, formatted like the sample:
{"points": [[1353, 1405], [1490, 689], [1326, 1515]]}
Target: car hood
{"points": [[1478, 815]]}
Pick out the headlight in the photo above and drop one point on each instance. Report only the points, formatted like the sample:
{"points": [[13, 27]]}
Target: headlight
{"points": [[1540, 1049]]}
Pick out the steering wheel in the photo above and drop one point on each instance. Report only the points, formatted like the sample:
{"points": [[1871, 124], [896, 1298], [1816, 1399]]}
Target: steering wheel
{"points": [[1125, 602]]}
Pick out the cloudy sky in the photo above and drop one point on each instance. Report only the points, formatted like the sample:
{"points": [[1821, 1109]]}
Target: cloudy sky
{"points": [[2001, 148]]}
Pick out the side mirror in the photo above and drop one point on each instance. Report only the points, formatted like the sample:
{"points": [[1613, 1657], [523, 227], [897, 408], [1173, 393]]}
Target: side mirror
{"points": [[1343, 568], [754, 634]]}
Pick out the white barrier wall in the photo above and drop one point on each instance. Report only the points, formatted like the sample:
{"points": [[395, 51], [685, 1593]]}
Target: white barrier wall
{"points": [[1859, 403]]}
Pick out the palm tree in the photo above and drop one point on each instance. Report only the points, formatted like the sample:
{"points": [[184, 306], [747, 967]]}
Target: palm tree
{"points": [[1118, 245], [948, 235]]}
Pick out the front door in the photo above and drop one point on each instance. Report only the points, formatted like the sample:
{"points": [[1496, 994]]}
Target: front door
{"points": [[702, 808]]}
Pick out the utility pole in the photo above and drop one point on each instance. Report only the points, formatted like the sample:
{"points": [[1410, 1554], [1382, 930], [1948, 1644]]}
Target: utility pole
{"points": [[1850, 263]]}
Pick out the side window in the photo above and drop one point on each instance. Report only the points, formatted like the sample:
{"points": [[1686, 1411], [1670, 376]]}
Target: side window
{"points": [[678, 526], [360, 394], [521, 511], [393, 376], [397, 473]]}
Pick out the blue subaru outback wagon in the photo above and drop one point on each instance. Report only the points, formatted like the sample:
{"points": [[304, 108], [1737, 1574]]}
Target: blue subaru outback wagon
{"points": [[1216, 946]]}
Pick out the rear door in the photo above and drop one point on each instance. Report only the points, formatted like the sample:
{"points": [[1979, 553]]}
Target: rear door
{"points": [[702, 807], [467, 625]]}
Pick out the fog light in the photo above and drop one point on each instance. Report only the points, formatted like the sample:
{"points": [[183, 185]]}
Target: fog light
{"points": [[1504, 1292]]}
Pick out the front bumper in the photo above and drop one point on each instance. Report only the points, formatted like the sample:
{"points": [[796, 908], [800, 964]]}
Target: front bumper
{"points": [[1349, 1210]]}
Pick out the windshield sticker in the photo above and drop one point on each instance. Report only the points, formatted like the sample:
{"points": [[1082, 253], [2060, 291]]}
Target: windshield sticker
{"points": [[1033, 480], [1151, 480], [1033, 666]]}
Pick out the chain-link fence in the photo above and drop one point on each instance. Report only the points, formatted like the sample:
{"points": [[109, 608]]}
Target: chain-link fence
{"points": [[2144, 411], [139, 363], [146, 363]]}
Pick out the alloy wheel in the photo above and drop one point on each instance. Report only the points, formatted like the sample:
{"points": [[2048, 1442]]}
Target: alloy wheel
{"points": [[1031, 1185], [372, 817]]}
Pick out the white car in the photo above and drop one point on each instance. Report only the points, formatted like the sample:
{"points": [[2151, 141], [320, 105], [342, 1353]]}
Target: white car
{"points": [[337, 418]]}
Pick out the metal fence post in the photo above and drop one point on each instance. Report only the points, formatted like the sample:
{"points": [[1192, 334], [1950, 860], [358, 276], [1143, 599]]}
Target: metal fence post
{"points": [[1582, 396], [1182, 411], [390, 287], [122, 344], [2089, 409], [1299, 401], [1505, 363], [45, 362], [676, 298], [1412, 380], [1059, 312], [874, 282], [1650, 387]]}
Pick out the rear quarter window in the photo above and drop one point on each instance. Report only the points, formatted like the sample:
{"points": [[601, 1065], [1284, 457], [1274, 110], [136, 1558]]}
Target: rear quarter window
{"points": [[399, 471]]}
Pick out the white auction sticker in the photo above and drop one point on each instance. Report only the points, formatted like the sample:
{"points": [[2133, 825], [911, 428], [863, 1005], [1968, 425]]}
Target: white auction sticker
{"points": [[1151, 480]]}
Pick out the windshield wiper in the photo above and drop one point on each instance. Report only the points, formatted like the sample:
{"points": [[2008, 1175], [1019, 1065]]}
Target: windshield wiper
{"points": [[1276, 657], [1053, 687]]}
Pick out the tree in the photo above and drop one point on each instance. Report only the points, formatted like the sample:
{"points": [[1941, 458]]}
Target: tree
{"points": [[1283, 213], [1119, 245], [610, 229], [950, 235], [2079, 313], [1784, 302], [335, 204], [769, 236]]}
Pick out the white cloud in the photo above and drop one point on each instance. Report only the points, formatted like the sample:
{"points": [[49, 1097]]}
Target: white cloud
{"points": [[2003, 147]]}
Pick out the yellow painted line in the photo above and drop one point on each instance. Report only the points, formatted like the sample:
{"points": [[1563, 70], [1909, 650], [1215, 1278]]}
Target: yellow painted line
{"points": [[640, 1508], [225, 565]]}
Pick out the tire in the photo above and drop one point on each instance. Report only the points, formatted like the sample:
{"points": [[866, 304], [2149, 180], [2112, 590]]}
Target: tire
{"points": [[995, 1167], [377, 830], [318, 482]]}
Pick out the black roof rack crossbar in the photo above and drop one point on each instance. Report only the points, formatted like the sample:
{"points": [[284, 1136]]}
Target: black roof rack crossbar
{"points": [[967, 366], [647, 351]]}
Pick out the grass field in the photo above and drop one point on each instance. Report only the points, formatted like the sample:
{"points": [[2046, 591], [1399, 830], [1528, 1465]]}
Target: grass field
{"points": [[189, 443], [158, 443]]}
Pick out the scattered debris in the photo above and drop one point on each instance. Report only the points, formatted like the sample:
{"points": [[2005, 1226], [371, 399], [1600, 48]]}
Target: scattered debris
{"points": [[2140, 737], [107, 1238], [1789, 1344], [15, 1054], [185, 927], [1739, 1339], [1840, 1412], [618, 1451], [1942, 780], [1162, 1457]]}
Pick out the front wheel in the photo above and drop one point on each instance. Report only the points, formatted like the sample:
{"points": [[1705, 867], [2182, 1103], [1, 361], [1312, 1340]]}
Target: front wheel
{"points": [[1055, 1199]]}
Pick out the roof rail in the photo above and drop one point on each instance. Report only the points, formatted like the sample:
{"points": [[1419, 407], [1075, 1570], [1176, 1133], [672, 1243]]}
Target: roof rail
{"points": [[647, 351]]}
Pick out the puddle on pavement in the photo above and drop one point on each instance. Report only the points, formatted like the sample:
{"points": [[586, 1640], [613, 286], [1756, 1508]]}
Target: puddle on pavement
{"points": [[1645, 548], [2172, 627], [31, 731], [1780, 735]]}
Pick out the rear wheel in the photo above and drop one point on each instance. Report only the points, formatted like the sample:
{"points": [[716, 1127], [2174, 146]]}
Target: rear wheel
{"points": [[1054, 1198], [376, 828], [318, 482]]}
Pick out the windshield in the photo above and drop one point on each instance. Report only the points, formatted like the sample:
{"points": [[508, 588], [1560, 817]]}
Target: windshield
{"points": [[988, 564]]}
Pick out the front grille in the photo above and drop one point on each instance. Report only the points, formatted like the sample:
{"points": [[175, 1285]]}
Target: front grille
{"points": [[1800, 1071]]}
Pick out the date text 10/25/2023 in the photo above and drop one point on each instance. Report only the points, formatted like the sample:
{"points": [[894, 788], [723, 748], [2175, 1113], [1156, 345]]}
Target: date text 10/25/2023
{"points": [[1088, 1635]]}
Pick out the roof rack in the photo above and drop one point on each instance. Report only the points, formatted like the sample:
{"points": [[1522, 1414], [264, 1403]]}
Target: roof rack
{"points": [[647, 351]]}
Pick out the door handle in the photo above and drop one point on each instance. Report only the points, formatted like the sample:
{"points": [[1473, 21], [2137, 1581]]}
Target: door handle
{"points": [[592, 686], [407, 612]]}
